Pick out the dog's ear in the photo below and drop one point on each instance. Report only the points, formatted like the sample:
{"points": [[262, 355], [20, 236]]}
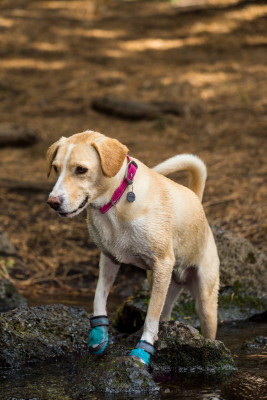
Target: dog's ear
{"points": [[112, 154], [52, 152], [50, 156]]}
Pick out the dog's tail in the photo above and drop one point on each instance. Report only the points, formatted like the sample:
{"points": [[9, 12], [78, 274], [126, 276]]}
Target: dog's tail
{"points": [[193, 164]]}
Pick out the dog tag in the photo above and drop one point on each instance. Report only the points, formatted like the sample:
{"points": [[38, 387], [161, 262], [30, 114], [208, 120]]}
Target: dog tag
{"points": [[131, 197]]}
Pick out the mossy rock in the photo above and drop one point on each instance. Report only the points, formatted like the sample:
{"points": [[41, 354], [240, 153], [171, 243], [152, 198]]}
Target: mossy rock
{"points": [[241, 263], [181, 348], [130, 316], [256, 346], [243, 273], [234, 304], [37, 334], [112, 375], [10, 298]]}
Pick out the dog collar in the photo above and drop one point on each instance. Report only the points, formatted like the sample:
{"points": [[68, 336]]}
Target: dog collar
{"points": [[127, 180]]}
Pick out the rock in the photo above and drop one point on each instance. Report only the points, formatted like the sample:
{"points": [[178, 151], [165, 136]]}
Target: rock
{"points": [[259, 344], [6, 247], [260, 317], [36, 334], [10, 298], [181, 348], [112, 375], [242, 294], [242, 265], [130, 316], [234, 305]]}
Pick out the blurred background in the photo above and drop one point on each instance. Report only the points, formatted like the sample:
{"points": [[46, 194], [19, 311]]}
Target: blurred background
{"points": [[197, 74]]}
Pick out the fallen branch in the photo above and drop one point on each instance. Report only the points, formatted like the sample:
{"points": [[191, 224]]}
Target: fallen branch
{"points": [[16, 185], [11, 135], [225, 199], [136, 110]]}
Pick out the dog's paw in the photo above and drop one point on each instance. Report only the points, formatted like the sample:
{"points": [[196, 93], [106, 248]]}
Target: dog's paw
{"points": [[98, 335], [143, 355], [143, 351]]}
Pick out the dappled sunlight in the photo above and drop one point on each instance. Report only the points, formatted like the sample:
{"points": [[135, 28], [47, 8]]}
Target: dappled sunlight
{"points": [[214, 26], [6, 22], [208, 62], [32, 63], [203, 3], [49, 47], [256, 40], [90, 33], [198, 79], [75, 4], [228, 21], [114, 53], [248, 13], [159, 44]]}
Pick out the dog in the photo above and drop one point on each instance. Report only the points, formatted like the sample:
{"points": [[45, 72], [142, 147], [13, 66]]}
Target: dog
{"points": [[136, 215]]}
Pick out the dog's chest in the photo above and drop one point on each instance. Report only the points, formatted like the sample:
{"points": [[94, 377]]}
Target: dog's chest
{"points": [[124, 241]]}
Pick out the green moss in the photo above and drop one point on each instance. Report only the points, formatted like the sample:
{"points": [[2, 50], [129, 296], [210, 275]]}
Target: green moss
{"points": [[234, 298], [242, 301]]}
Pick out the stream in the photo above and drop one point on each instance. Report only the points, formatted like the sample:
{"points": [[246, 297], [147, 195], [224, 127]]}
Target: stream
{"points": [[249, 382]]}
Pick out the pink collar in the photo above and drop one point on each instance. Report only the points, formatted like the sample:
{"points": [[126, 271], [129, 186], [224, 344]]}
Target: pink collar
{"points": [[127, 180]]}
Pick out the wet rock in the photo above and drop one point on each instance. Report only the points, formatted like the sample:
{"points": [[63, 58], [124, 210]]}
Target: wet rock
{"points": [[130, 316], [259, 317], [258, 345], [181, 348], [36, 334], [6, 247], [242, 264], [10, 298], [234, 304], [113, 375]]}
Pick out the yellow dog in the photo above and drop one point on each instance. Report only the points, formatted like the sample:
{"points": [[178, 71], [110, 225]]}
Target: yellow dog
{"points": [[154, 223]]}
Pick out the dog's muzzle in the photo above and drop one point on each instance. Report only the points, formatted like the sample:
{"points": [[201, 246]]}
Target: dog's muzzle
{"points": [[82, 205]]}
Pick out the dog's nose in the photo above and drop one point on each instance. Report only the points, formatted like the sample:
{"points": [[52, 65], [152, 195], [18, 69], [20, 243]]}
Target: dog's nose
{"points": [[54, 202]]}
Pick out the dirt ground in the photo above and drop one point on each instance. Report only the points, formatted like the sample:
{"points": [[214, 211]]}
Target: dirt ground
{"points": [[56, 56]]}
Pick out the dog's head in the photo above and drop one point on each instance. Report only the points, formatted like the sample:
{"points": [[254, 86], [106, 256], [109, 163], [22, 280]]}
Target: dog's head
{"points": [[84, 164]]}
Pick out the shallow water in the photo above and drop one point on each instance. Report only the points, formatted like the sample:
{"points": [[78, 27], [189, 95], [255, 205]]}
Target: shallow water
{"points": [[48, 382]]}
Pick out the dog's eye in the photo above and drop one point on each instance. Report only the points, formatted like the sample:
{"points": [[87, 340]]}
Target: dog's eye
{"points": [[80, 170], [55, 168]]}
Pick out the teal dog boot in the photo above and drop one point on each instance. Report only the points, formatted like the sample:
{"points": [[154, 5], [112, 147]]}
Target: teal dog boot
{"points": [[143, 351], [98, 335]]}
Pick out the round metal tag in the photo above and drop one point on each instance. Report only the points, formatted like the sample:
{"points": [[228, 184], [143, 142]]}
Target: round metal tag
{"points": [[130, 197]]}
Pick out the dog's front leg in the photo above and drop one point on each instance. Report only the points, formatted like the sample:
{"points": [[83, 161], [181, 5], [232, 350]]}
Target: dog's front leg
{"points": [[98, 336], [162, 273]]}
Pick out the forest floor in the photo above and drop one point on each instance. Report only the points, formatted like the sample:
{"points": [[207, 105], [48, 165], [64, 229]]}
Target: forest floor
{"points": [[56, 56]]}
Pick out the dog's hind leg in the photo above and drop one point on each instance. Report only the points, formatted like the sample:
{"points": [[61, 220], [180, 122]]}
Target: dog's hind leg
{"points": [[206, 298], [204, 288], [98, 336], [173, 292]]}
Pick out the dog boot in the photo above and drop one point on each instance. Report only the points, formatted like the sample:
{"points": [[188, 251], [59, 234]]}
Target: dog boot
{"points": [[143, 351], [98, 335]]}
